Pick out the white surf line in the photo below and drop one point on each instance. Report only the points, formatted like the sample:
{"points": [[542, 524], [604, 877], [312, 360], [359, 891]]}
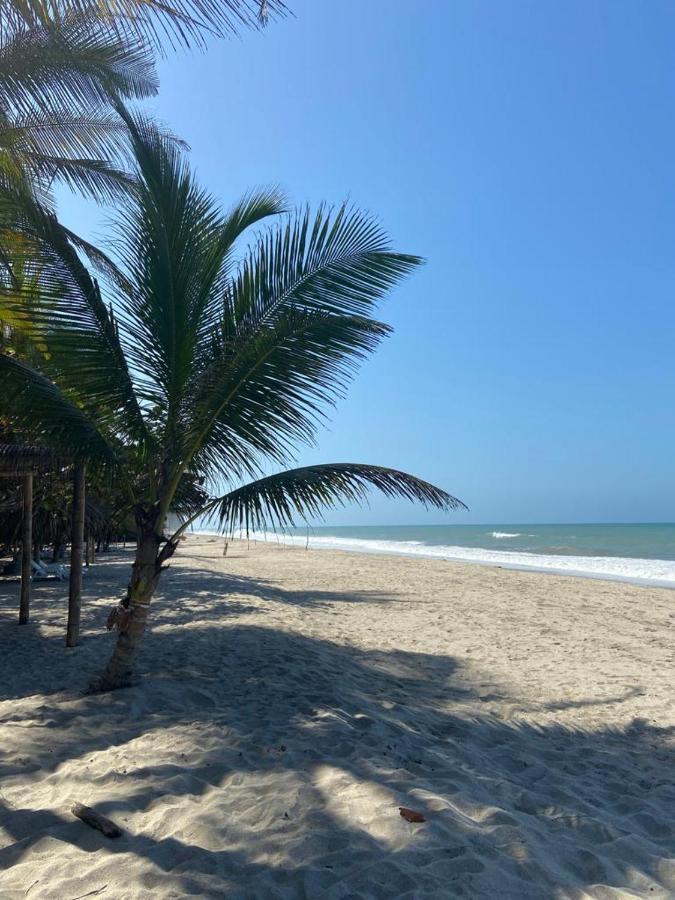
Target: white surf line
{"points": [[650, 572]]}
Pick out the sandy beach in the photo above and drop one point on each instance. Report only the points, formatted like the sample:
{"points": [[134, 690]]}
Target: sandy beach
{"points": [[291, 701]]}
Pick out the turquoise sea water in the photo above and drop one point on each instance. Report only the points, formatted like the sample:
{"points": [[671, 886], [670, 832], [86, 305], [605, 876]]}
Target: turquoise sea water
{"points": [[639, 553], [634, 541]]}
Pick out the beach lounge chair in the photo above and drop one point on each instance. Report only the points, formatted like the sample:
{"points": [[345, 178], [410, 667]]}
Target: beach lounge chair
{"points": [[48, 570]]}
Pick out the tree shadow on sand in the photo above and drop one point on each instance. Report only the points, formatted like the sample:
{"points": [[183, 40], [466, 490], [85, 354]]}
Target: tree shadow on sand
{"points": [[279, 761], [202, 596]]}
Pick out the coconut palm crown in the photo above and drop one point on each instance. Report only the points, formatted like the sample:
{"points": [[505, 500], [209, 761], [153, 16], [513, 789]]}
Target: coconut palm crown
{"points": [[58, 79], [63, 62], [201, 365]]}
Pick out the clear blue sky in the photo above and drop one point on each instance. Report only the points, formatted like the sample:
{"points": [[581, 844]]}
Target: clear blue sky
{"points": [[527, 150]]}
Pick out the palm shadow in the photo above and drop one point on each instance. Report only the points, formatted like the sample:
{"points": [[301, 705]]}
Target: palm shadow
{"points": [[204, 596], [211, 592]]}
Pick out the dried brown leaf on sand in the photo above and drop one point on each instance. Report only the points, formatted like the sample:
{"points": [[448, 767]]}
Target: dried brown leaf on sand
{"points": [[411, 815]]}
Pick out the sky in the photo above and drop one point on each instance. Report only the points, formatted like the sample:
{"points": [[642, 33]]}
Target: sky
{"points": [[527, 151]]}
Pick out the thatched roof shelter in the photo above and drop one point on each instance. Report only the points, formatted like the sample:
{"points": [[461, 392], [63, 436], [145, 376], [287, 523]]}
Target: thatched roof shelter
{"points": [[22, 459]]}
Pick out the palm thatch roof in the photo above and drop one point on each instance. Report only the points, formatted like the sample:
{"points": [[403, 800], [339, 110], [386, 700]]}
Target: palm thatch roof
{"points": [[20, 459]]}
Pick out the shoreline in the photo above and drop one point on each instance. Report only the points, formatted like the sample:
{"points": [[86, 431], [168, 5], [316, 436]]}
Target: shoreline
{"points": [[500, 559]]}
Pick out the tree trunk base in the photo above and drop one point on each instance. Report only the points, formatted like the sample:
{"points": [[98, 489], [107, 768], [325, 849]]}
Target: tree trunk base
{"points": [[130, 616], [104, 684]]}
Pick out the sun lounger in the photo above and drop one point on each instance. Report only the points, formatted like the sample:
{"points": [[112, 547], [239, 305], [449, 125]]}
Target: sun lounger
{"points": [[48, 570]]}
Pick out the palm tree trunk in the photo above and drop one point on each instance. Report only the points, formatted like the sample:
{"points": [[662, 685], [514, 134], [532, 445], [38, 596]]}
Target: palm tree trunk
{"points": [[130, 620]]}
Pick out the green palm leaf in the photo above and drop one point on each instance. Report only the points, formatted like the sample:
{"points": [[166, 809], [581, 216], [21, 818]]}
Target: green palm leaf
{"points": [[99, 135], [278, 500], [297, 321], [175, 245], [180, 22], [92, 177], [70, 62], [70, 321], [36, 407], [58, 79]]}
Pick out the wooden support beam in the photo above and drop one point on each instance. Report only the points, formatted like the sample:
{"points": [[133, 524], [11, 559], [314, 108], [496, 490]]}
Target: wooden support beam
{"points": [[76, 547], [26, 548]]}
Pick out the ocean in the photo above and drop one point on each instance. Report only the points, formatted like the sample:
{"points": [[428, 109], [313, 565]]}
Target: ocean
{"points": [[644, 554]]}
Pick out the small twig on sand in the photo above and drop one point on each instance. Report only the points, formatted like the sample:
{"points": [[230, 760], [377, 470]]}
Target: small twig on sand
{"points": [[91, 893]]}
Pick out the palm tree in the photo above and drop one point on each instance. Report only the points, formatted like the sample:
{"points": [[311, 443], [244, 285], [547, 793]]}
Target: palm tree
{"points": [[198, 368]]}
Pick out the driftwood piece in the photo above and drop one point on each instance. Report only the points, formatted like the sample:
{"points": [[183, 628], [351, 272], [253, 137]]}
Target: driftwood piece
{"points": [[96, 820]]}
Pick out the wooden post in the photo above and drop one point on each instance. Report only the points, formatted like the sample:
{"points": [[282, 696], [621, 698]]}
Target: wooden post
{"points": [[76, 542], [26, 548]]}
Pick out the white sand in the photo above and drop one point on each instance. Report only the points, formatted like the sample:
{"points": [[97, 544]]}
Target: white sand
{"points": [[291, 701]]}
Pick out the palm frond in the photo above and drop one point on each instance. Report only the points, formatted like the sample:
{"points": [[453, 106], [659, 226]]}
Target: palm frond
{"points": [[166, 245], [278, 500], [253, 208], [297, 321], [69, 318], [70, 62], [89, 153], [90, 177], [175, 245], [58, 79], [101, 262], [99, 135], [39, 409], [178, 23]]}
